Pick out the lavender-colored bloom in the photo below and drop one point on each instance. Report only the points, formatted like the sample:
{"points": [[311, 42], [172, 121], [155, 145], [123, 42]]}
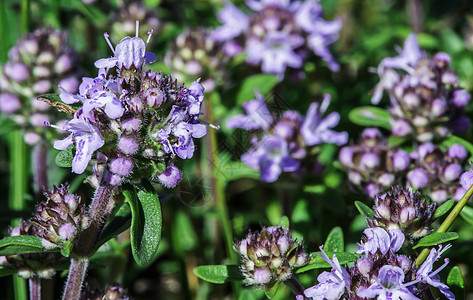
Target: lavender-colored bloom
{"points": [[457, 151], [234, 22], [389, 285], [316, 130], [461, 98], [408, 57], [257, 116], [380, 239], [87, 139], [426, 275], [418, 178], [401, 160], [275, 52], [270, 157], [171, 177], [332, 284], [466, 180], [9, 103], [129, 52]]}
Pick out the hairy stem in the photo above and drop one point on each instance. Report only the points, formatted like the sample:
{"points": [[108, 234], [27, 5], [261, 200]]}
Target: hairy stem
{"points": [[75, 279], [40, 157], [35, 288], [447, 222]]}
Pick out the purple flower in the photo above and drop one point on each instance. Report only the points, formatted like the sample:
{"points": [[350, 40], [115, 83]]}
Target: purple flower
{"points": [[380, 239], [426, 275], [389, 285], [270, 156], [408, 57], [316, 130], [234, 23], [332, 284], [171, 177], [275, 52], [257, 116], [418, 178], [87, 139], [129, 52], [9, 103]]}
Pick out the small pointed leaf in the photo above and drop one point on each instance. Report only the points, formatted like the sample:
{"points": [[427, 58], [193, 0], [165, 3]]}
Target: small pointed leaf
{"points": [[263, 83], [370, 116], [145, 223], [467, 214], [65, 157], [318, 262], [21, 244], [271, 290], [443, 209], [456, 283], [436, 238], [334, 242], [284, 222], [364, 209], [219, 273]]}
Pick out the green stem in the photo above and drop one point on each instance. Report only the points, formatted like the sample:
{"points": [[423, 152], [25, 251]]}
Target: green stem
{"points": [[447, 222], [25, 16], [18, 190]]}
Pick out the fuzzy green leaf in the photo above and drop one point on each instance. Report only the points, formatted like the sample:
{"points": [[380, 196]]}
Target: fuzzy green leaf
{"points": [[370, 116], [436, 238], [271, 290], [458, 140], [219, 273], [145, 223], [334, 242], [284, 222], [65, 157], [443, 209], [21, 244], [467, 214], [455, 283], [66, 248], [364, 209], [262, 83]]}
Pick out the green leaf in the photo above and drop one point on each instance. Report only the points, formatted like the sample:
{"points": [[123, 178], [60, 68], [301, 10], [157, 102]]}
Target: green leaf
{"points": [[65, 157], [436, 238], [145, 223], [318, 262], [284, 222], [262, 83], [184, 236], [370, 116], [467, 214], [66, 248], [334, 242], [118, 223], [21, 244], [444, 208], [219, 273], [271, 290], [5, 271], [458, 140], [455, 283], [364, 209]]}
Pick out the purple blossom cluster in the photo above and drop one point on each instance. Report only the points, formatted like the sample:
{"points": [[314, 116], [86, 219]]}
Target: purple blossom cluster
{"points": [[426, 102], [277, 34], [381, 272], [37, 64], [374, 166], [137, 121], [286, 141], [195, 54]]}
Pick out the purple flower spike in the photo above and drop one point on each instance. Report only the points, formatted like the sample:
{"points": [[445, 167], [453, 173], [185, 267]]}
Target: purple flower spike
{"points": [[113, 106], [377, 239], [389, 285], [257, 116], [87, 139], [316, 130]]}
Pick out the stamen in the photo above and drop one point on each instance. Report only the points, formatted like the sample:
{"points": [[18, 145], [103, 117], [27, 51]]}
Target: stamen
{"points": [[137, 27], [46, 123], [325, 103], [210, 125], [440, 268], [107, 36], [150, 33]]}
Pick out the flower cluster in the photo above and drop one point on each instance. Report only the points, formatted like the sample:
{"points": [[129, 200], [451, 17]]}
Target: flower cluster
{"points": [[60, 218], [269, 256], [381, 273], [277, 33], [37, 64], [124, 20], [286, 143], [41, 265], [426, 102], [112, 292], [375, 167], [138, 121], [194, 54]]}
